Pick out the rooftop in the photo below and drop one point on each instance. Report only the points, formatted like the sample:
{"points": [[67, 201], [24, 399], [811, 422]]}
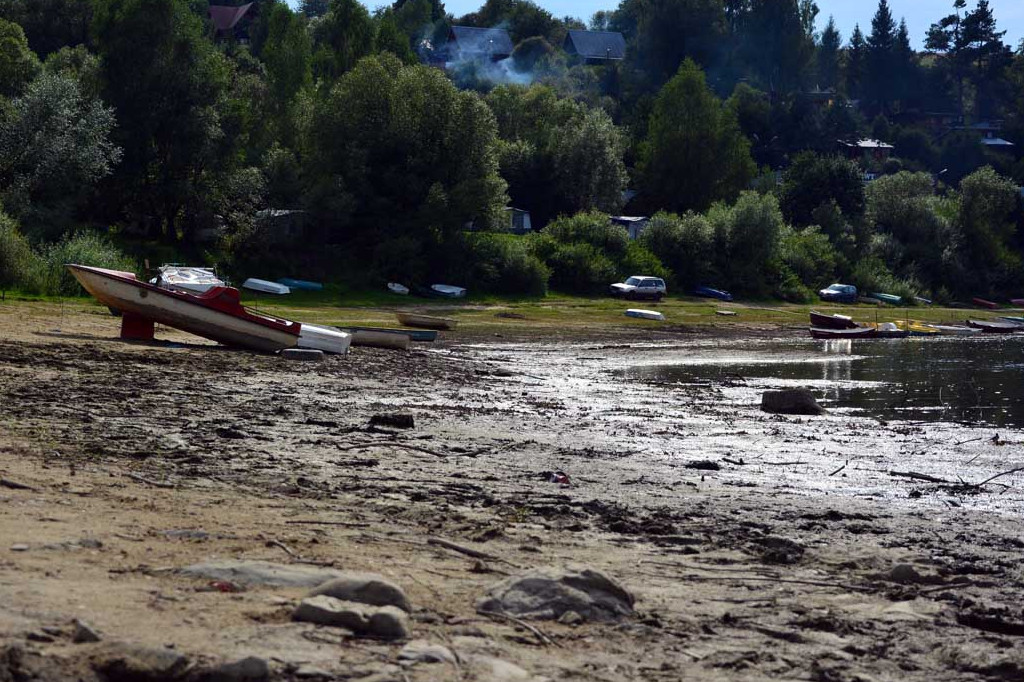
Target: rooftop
{"points": [[225, 18], [486, 41], [596, 44]]}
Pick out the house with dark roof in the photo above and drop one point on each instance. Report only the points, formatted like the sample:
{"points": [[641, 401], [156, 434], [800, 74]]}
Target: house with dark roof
{"points": [[468, 42], [595, 47], [232, 22]]}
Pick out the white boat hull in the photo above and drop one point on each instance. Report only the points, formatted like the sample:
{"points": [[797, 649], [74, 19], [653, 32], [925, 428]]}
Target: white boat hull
{"points": [[645, 314], [397, 288], [326, 339], [265, 286], [448, 290], [153, 304]]}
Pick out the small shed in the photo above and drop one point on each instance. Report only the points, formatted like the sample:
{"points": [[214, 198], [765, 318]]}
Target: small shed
{"points": [[519, 220], [596, 47], [232, 22], [469, 42], [635, 225]]}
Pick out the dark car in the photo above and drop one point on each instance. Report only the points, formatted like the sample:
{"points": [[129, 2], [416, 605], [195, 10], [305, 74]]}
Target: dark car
{"points": [[839, 293]]}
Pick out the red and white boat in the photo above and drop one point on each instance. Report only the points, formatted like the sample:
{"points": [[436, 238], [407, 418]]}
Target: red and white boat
{"points": [[217, 314]]}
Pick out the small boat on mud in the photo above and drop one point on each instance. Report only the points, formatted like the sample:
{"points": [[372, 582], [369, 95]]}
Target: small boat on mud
{"points": [[982, 303], [396, 288], [217, 314], [834, 321], [833, 334], [426, 321], [916, 328], [327, 339], [363, 337], [645, 314], [889, 330], [708, 292], [423, 335], [992, 327], [955, 330]]}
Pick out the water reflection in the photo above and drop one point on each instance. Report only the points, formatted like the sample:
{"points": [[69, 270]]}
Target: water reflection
{"points": [[976, 380]]}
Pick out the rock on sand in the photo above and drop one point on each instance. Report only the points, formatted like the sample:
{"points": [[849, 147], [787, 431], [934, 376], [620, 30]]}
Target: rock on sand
{"points": [[549, 593], [791, 401]]}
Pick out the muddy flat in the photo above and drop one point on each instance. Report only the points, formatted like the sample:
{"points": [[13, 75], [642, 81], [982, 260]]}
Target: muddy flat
{"points": [[756, 546]]}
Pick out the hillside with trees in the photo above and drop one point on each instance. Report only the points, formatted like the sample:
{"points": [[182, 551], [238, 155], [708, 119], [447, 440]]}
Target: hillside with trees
{"points": [[772, 154]]}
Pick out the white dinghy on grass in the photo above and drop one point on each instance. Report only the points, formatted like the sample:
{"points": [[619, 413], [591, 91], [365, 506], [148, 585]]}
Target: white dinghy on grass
{"points": [[265, 287], [396, 288], [645, 314]]}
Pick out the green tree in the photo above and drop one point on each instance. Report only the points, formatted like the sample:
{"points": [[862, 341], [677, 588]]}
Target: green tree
{"points": [[287, 53], [523, 19], [815, 180], [856, 64], [828, 56], [341, 38], [685, 244], [167, 109], [391, 38], [663, 33], [398, 155], [18, 64], [695, 153], [777, 46], [987, 222], [313, 9], [54, 147], [748, 236], [558, 156], [50, 25], [18, 263], [881, 57]]}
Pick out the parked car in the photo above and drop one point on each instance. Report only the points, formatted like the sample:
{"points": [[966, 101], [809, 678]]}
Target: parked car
{"points": [[640, 286], [839, 293]]}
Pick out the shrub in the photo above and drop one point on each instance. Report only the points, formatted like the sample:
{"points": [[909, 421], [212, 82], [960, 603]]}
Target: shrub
{"points": [[685, 244], [592, 228], [503, 264], [82, 248], [580, 269], [19, 265], [639, 260], [809, 256]]}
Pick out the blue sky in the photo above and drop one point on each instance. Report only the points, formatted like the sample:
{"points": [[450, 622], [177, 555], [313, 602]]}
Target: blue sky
{"points": [[920, 14]]}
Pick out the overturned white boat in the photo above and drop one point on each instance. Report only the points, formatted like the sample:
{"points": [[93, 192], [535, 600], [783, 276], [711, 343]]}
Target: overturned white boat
{"points": [[327, 339], [645, 314], [396, 288], [265, 286], [448, 291]]}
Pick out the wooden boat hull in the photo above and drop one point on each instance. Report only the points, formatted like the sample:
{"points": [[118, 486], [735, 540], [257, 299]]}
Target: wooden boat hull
{"points": [[362, 337], [216, 315], [1017, 301], [955, 330], [421, 335], [823, 321], [426, 321], [859, 333], [982, 303]]}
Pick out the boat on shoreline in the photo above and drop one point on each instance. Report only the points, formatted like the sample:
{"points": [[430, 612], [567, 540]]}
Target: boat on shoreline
{"points": [[645, 314], [834, 321], [265, 286], [426, 321], [991, 327], [856, 333], [422, 335], [982, 303], [708, 292], [217, 314]]}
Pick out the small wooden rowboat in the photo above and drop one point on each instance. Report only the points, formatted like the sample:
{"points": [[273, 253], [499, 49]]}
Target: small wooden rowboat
{"points": [[426, 321], [217, 315], [1017, 301], [823, 321], [424, 335], [858, 333], [363, 337], [982, 303]]}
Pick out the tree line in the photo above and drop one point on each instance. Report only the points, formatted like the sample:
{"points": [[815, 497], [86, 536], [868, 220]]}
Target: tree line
{"points": [[136, 120]]}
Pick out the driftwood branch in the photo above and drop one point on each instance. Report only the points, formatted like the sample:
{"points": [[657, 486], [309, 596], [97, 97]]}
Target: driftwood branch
{"points": [[917, 477], [537, 632], [992, 478], [343, 524], [840, 468], [14, 485], [447, 544]]}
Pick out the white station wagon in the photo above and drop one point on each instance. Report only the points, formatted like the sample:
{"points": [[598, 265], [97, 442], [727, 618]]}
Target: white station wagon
{"points": [[640, 287]]}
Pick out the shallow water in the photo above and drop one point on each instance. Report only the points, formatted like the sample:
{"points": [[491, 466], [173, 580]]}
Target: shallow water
{"points": [[976, 380]]}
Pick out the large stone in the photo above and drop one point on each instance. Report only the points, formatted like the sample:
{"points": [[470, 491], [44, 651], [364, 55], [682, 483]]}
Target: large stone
{"points": [[262, 573], [791, 401], [364, 588], [249, 669], [421, 651], [126, 662], [85, 633], [378, 622], [547, 594]]}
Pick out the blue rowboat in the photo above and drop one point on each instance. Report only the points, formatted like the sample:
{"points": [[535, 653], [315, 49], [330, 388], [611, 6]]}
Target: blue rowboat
{"points": [[708, 292], [300, 284], [891, 299]]}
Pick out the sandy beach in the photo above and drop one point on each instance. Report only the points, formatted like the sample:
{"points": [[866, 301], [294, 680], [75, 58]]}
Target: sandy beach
{"points": [[755, 546]]}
